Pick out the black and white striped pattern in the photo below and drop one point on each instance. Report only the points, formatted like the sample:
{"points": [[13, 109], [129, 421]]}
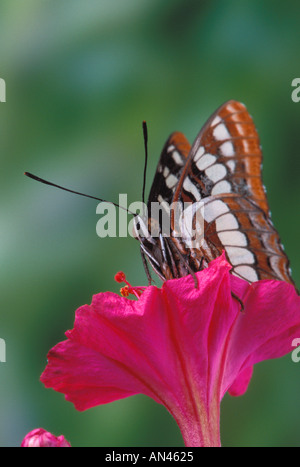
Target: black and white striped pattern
{"points": [[222, 169]]}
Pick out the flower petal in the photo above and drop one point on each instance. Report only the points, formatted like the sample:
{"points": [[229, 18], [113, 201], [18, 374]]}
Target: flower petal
{"points": [[266, 329], [167, 345], [241, 383], [183, 346], [112, 352]]}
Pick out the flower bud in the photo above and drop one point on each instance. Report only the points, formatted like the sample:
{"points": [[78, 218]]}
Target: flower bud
{"points": [[40, 438]]}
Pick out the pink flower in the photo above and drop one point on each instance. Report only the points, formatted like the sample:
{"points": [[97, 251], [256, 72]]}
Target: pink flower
{"points": [[182, 346], [40, 438]]}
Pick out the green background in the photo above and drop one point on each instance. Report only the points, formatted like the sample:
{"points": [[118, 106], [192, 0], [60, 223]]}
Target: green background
{"points": [[81, 76]]}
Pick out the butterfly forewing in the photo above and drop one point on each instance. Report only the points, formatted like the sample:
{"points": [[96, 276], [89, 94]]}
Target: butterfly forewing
{"points": [[226, 157], [169, 168], [222, 170]]}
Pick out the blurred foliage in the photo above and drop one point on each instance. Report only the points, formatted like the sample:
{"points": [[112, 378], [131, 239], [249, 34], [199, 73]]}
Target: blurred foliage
{"points": [[81, 77]]}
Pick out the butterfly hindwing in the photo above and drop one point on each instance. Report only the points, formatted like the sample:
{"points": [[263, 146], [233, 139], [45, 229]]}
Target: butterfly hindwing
{"points": [[235, 224]]}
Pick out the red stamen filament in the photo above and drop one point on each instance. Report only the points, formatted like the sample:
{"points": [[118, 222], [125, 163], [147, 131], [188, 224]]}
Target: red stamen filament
{"points": [[128, 289]]}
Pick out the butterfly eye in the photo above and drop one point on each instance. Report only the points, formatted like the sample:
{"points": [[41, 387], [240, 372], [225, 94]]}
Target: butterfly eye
{"points": [[136, 230]]}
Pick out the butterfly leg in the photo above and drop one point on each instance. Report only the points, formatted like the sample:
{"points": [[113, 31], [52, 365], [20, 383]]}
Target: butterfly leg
{"points": [[163, 249], [145, 264], [186, 263], [239, 300]]}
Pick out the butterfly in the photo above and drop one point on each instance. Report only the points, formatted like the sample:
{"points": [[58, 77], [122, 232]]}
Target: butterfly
{"points": [[221, 171]]}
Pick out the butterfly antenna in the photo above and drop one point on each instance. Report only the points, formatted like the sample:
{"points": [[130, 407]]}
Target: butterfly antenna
{"points": [[46, 182], [145, 133]]}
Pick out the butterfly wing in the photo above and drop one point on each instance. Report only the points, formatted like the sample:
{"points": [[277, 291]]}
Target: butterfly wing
{"points": [[170, 165], [169, 168], [235, 224], [226, 157], [223, 170]]}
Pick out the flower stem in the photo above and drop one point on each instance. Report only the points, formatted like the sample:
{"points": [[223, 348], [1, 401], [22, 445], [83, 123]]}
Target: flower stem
{"points": [[200, 428]]}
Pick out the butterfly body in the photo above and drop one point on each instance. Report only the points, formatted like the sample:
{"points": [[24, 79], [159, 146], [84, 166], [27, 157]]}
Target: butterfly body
{"points": [[219, 177]]}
